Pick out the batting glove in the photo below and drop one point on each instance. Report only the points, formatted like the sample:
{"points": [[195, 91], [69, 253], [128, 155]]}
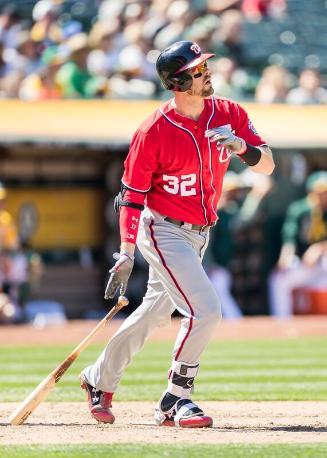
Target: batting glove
{"points": [[224, 136], [119, 274]]}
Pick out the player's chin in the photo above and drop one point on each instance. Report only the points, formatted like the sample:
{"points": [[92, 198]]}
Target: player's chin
{"points": [[207, 90]]}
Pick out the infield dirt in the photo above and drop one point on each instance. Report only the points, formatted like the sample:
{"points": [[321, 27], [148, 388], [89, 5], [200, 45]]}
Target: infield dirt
{"points": [[234, 422]]}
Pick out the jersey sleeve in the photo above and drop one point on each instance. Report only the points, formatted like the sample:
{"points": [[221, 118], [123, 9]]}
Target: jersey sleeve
{"points": [[141, 161], [244, 127]]}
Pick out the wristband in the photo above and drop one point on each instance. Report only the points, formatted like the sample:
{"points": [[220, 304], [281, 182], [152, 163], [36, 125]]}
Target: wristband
{"points": [[251, 156], [126, 253]]}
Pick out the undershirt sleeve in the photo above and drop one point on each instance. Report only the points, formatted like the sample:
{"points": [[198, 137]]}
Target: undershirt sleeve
{"points": [[129, 217], [139, 166]]}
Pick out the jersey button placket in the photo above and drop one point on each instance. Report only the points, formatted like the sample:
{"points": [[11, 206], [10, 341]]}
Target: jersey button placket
{"points": [[206, 175]]}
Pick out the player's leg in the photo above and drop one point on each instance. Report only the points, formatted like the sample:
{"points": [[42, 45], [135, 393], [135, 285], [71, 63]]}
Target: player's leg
{"points": [[102, 378], [176, 254]]}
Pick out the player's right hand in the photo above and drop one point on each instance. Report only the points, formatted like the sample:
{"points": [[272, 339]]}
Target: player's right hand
{"points": [[119, 275]]}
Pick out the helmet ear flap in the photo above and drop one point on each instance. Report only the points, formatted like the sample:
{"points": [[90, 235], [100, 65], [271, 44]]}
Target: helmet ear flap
{"points": [[179, 83]]}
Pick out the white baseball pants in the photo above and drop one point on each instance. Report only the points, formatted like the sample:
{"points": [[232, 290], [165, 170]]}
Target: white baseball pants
{"points": [[177, 280]]}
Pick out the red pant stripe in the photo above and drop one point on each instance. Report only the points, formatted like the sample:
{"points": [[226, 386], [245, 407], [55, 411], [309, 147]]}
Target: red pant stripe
{"points": [[177, 286]]}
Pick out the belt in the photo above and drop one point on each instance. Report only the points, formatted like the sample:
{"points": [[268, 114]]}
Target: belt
{"points": [[194, 227]]}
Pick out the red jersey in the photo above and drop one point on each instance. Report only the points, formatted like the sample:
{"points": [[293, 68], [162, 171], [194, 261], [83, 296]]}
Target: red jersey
{"points": [[177, 168]]}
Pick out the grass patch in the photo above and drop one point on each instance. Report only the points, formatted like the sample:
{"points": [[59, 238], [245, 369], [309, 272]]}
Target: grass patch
{"points": [[167, 451], [251, 370]]}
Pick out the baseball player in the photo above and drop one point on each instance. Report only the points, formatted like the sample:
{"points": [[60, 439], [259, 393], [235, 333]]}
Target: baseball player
{"points": [[169, 195]]}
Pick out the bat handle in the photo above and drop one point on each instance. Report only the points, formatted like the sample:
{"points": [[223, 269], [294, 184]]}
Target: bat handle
{"points": [[122, 302]]}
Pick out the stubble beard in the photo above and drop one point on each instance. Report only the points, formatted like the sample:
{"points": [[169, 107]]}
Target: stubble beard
{"points": [[203, 93], [207, 92]]}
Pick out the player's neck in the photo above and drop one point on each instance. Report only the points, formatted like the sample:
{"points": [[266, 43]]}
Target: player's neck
{"points": [[190, 107]]}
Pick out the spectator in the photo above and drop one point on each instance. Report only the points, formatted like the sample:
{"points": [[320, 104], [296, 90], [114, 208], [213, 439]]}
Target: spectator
{"points": [[303, 257], [179, 16], [221, 248], [222, 27], [222, 5], [46, 28], [255, 241], [106, 42], [273, 85], [227, 40], [129, 81], [27, 59], [13, 266], [5, 67], [8, 233], [227, 79], [73, 78], [255, 10], [309, 90], [10, 25], [42, 84]]}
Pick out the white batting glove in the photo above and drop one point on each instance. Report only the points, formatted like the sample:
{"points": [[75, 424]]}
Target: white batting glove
{"points": [[119, 274], [224, 136]]}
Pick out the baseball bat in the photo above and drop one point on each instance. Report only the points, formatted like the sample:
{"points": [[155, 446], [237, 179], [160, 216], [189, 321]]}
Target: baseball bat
{"points": [[25, 409]]}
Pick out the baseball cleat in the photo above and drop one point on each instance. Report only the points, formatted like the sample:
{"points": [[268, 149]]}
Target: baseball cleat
{"points": [[100, 402], [184, 414], [195, 422]]}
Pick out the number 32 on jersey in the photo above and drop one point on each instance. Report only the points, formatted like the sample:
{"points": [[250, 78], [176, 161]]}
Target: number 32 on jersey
{"points": [[183, 185]]}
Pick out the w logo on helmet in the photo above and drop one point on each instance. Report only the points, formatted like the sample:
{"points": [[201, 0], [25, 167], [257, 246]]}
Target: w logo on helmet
{"points": [[196, 48]]}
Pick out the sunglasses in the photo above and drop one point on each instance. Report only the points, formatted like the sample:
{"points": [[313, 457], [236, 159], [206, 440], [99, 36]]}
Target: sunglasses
{"points": [[198, 71]]}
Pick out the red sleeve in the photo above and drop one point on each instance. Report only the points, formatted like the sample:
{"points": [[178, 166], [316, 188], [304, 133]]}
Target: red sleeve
{"points": [[245, 129], [141, 161]]}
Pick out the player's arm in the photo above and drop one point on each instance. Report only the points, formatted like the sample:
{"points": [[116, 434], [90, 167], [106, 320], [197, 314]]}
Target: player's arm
{"points": [[258, 158], [244, 141], [129, 203]]}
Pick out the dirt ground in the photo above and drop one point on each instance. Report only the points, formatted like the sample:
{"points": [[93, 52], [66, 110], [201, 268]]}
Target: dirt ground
{"points": [[234, 422]]}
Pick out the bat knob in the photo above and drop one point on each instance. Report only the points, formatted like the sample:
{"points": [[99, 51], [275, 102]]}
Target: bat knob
{"points": [[123, 301]]}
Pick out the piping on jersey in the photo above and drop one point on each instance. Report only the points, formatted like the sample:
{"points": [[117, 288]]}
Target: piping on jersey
{"points": [[210, 157], [134, 189], [177, 286], [199, 155]]}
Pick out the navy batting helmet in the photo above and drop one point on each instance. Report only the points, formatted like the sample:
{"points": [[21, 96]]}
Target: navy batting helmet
{"points": [[173, 62]]}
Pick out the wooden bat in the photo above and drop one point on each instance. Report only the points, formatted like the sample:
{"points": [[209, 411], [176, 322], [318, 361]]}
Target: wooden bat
{"points": [[25, 409]]}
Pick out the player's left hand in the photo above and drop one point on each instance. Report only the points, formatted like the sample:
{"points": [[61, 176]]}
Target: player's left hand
{"points": [[224, 136]]}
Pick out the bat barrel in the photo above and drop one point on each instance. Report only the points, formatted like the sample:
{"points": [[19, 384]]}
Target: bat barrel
{"points": [[24, 410]]}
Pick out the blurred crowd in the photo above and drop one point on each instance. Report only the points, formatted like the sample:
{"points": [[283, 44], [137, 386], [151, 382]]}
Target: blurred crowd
{"points": [[82, 49], [269, 247], [20, 267]]}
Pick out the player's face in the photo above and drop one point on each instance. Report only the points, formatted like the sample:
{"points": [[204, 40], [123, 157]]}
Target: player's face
{"points": [[201, 81]]}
